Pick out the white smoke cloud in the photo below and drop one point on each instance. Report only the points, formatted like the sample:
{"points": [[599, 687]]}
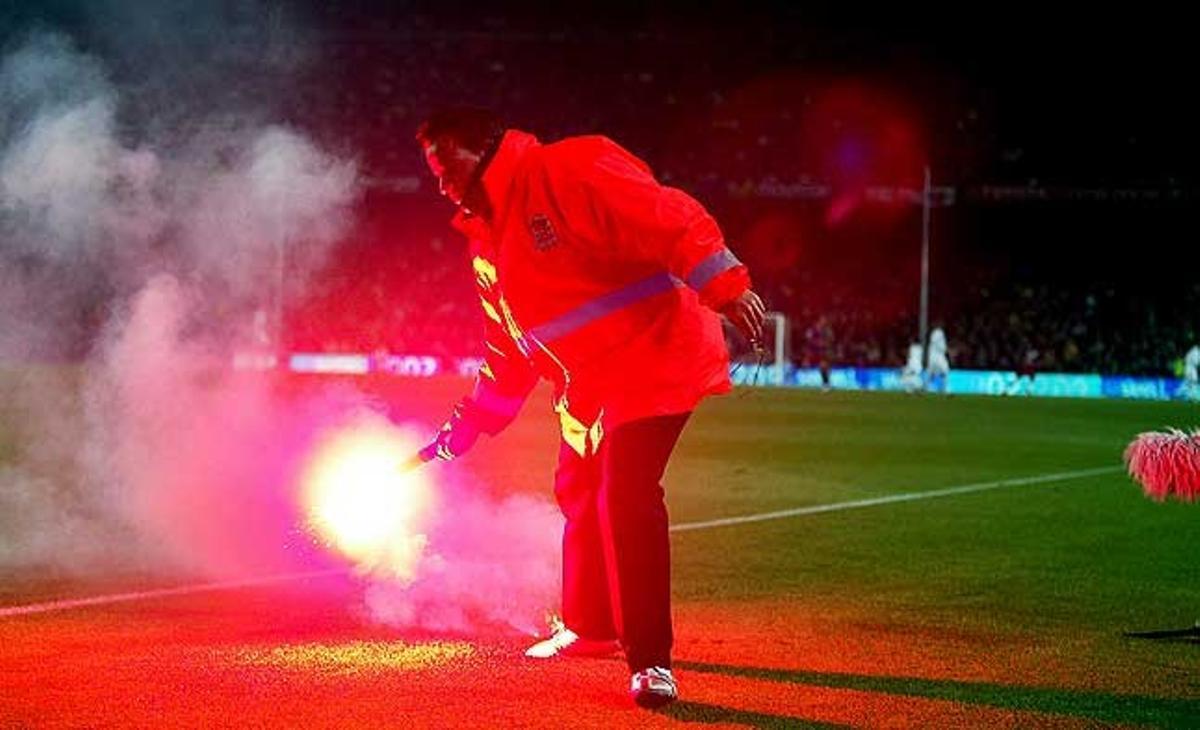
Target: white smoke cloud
{"points": [[58, 146], [56, 175], [280, 190], [150, 453]]}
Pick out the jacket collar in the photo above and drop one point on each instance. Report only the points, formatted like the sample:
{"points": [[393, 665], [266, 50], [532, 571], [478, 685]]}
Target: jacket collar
{"points": [[498, 179]]}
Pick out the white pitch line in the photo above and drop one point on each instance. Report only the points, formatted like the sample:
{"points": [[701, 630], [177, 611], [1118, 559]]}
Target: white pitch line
{"points": [[63, 605], [893, 498]]}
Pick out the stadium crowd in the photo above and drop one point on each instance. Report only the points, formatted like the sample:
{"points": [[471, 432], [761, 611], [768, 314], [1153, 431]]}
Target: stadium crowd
{"points": [[404, 288], [762, 153]]}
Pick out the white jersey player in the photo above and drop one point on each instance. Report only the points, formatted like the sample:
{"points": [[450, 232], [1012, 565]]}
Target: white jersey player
{"points": [[911, 377], [1190, 389], [938, 370]]}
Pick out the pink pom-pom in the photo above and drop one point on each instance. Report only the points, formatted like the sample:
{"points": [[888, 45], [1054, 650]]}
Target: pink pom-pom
{"points": [[1166, 464]]}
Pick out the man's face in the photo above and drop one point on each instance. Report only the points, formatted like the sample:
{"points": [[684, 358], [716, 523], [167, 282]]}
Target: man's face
{"points": [[453, 165]]}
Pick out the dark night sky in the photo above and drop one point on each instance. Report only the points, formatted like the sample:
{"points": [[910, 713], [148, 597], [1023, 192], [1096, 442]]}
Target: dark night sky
{"points": [[1100, 96], [1106, 93], [1103, 94]]}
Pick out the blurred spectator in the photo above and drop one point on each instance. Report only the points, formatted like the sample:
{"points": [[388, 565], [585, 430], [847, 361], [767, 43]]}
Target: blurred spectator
{"points": [[1026, 371]]}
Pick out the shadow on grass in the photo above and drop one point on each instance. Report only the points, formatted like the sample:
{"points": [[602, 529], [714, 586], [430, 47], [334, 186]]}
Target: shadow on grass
{"points": [[1105, 708], [715, 714]]}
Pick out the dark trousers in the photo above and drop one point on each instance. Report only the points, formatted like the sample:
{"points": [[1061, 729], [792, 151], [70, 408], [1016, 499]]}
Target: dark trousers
{"points": [[616, 551]]}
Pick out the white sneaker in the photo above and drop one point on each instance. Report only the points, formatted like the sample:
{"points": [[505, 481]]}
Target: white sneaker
{"points": [[565, 642], [653, 687], [554, 645]]}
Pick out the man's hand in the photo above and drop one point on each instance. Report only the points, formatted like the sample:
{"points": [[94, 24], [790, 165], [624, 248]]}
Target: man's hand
{"points": [[455, 437], [747, 313]]}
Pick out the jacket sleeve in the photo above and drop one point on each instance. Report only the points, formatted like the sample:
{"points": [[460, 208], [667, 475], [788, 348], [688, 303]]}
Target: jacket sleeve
{"points": [[506, 376], [611, 199]]}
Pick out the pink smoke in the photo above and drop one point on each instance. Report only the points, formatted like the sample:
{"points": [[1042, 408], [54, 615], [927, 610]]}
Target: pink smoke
{"points": [[489, 563], [207, 464], [199, 459], [153, 453]]}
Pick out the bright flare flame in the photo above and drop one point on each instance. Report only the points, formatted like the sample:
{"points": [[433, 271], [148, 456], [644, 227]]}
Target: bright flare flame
{"points": [[360, 502]]}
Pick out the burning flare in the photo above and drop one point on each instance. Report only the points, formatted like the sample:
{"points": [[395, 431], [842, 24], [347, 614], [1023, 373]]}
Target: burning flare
{"points": [[361, 503]]}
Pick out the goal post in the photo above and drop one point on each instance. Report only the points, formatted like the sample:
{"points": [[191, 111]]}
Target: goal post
{"points": [[777, 334]]}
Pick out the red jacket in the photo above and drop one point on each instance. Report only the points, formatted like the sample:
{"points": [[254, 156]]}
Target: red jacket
{"points": [[597, 277]]}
